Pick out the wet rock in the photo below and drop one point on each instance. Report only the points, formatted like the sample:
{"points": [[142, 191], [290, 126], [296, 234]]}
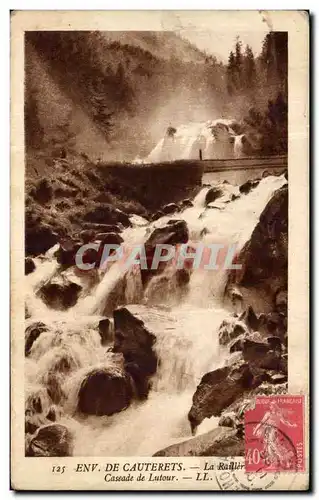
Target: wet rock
{"points": [[234, 358], [53, 414], [141, 383], [237, 345], [215, 206], [187, 203], [234, 197], [39, 238], [27, 313], [109, 238], [106, 214], [221, 442], [261, 355], [29, 265], [53, 440], [277, 378], [34, 422], [157, 215], [87, 235], [236, 297], [248, 186], [230, 329], [170, 208], [281, 302], [136, 328], [213, 194], [173, 233], [217, 390], [275, 343], [249, 317], [105, 228], [66, 252], [105, 391], [32, 332], [203, 232], [264, 257], [59, 292], [106, 331], [37, 401], [228, 420], [275, 324], [54, 382]]}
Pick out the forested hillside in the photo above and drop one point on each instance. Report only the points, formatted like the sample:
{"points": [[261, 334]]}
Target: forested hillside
{"points": [[112, 95]]}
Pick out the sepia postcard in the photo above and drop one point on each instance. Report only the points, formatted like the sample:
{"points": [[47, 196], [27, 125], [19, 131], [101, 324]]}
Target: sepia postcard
{"points": [[159, 250]]}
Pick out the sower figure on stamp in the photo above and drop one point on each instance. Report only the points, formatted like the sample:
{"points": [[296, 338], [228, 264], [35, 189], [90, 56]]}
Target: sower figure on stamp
{"points": [[275, 449]]}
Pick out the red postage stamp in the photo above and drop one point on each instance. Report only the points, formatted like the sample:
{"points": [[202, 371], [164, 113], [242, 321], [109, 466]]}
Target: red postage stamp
{"points": [[274, 435]]}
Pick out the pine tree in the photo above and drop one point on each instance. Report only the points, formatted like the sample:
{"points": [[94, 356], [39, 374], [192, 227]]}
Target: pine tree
{"points": [[249, 68], [231, 74], [239, 64]]}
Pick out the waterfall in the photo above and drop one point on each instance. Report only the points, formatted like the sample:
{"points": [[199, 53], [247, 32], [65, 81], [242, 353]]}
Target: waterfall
{"points": [[215, 138], [71, 345]]}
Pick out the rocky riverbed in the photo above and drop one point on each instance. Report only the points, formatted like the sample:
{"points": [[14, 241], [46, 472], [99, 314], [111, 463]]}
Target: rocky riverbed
{"points": [[157, 362]]}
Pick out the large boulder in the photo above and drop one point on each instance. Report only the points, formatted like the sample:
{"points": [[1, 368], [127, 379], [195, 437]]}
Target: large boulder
{"points": [[261, 355], [136, 329], [53, 440], [248, 186], [106, 331], [264, 258], [105, 228], [220, 442], [213, 194], [60, 292], [87, 235], [39, 238], [281, 302], [170, 208], [217, 390], [187, 203], [29, 266], [106, 390], [230, 329], [33, 422], [32, 332], [174, 233], [106, 214], [109, 238], [65, 254], [236, 326]]}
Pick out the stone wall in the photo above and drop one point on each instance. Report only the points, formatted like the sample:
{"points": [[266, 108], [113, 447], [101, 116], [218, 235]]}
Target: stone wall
{"points": [[154, 185]]}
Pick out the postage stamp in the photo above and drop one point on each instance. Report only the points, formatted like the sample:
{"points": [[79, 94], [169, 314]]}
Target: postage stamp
{"points": [[274, 435]]}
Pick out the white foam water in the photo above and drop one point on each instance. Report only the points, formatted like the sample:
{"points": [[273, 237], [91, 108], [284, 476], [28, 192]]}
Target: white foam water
{"points": [[188, 139], [185, 353]]}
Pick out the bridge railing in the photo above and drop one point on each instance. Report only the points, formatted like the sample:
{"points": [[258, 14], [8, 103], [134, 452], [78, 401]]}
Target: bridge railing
{"points": [[246, 163]]}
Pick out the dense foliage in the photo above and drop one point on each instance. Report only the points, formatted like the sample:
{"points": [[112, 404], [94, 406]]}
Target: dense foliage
{"points": [[113, 97]]}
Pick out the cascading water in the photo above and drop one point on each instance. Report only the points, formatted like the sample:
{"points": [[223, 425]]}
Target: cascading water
{"points": [[215, 139], [186, 351]]}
